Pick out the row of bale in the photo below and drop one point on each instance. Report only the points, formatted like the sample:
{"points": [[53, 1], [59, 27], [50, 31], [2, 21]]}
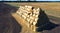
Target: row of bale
{"points": [[29, 13]]}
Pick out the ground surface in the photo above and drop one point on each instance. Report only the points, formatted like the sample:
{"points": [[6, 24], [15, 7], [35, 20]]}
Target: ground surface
{"points": [[12, 24]]}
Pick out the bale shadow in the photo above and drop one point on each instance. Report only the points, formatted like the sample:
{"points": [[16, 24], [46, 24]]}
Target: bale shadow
{"points": [[44, 23], [8, 23]]}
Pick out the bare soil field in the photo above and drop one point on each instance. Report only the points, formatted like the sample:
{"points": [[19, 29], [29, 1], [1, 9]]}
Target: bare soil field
{"points": [[12, 24]]}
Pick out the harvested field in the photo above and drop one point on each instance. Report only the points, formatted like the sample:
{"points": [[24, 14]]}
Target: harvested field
{"points": [[10, 21], [51, 8]]}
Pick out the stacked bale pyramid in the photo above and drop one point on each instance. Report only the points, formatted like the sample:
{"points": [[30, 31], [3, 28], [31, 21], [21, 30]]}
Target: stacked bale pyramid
{"points": [[29, 14]]}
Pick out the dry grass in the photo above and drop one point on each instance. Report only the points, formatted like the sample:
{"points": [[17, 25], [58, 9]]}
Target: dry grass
{"points": [[46, 6], [50, 8]]}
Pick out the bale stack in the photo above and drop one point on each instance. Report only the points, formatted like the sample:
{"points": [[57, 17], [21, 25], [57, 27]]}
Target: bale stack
{"points": [[30, 15]]}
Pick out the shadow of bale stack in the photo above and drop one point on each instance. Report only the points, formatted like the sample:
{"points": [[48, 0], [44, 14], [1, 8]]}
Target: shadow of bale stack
{"points": [[44, 23]]}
